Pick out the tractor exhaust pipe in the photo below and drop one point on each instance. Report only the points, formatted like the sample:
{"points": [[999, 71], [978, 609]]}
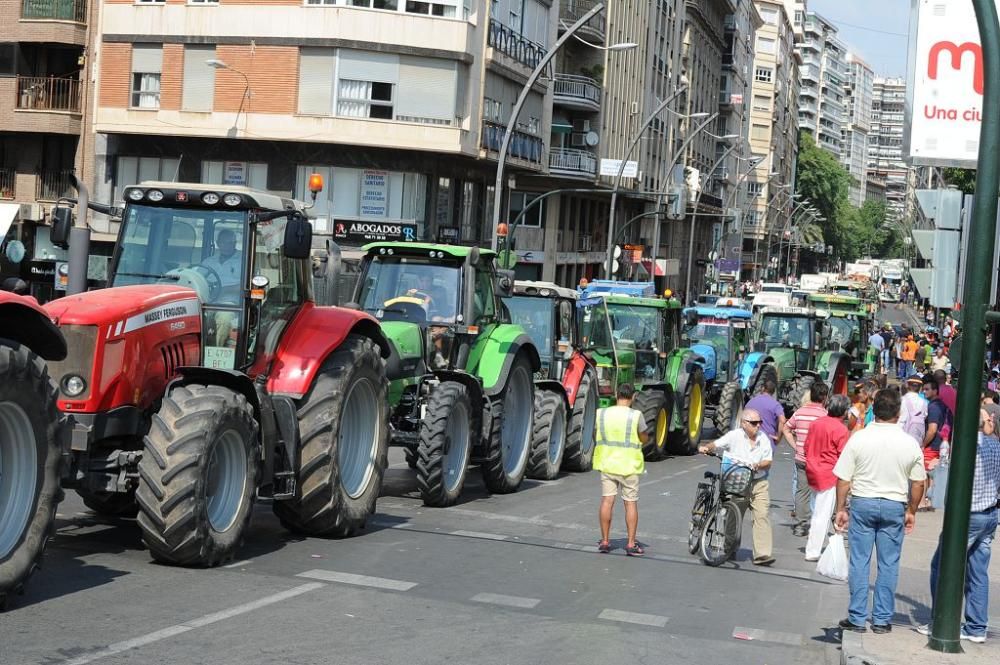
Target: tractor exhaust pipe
{"points": [[79, 242]]}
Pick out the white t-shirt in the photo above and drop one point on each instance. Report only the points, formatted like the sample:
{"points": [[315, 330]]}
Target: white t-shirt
{"points": [[913, 416], [877, 341], [880, 461], [740, 449]]}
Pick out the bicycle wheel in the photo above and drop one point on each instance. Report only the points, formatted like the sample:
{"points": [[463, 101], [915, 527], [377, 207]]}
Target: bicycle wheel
{"points": [[702, 502], [720, 534]]}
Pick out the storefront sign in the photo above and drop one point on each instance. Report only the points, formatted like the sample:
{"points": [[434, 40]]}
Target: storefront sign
{"points": [[234, 173], [448, 234], [374, 193], [361, 232]]}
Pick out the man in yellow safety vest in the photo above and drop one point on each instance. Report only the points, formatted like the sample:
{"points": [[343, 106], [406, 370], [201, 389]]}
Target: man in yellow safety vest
{"points": [[621, 431]]}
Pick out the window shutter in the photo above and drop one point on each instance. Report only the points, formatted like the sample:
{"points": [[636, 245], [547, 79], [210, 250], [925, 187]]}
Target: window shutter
{"points": [[427, 88], [316, 66], [199, 78], [369, 66], [147, 58]]}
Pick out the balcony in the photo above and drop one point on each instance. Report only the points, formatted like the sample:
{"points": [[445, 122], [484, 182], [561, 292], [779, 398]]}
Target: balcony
{"points": [[48, 93], [54, 10], [572, 162], [7, 183], [572, 11], [522, 146], [54, 185], [515, 45], [577, 92]]}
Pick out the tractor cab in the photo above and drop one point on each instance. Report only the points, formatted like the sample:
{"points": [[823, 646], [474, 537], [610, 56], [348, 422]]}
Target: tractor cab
{"points": [[720, 335], [547, 312], [792, 335], [229, 247]]}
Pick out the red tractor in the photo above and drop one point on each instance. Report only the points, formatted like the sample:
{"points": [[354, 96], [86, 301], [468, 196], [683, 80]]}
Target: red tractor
{"points": [[206, 374], [29, 438]]}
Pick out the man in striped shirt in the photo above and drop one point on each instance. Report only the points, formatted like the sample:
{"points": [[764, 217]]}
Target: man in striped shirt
{"points": [[796, 431]]}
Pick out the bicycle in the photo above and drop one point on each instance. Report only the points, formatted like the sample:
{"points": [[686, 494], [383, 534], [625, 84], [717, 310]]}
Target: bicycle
{"points": [[717, 515]]}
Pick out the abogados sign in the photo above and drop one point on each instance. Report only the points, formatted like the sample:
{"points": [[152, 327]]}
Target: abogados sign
{"points": [[945, 84]]}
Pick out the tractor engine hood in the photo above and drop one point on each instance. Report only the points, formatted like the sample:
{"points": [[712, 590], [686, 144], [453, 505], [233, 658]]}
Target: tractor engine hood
{"points": [[124, 344], [707, 351]]}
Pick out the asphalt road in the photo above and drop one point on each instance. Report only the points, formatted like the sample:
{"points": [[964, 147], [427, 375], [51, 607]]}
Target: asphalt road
{"points": [[494, 580]]}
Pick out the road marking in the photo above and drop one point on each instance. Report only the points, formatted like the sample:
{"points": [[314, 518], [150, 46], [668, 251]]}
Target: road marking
{"points": [[245, 562], [358, 580], [507, 601], [633, 617], [758, 634], [479, 534], [171, 631]]}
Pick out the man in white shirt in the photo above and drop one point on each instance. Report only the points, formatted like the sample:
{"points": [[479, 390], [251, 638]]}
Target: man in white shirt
{"points": [[877, 343], [227, 263], [882, 467], [750, 446], [913, 410]]}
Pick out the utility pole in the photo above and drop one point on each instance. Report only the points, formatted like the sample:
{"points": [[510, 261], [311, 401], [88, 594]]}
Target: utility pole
{"points": [[950, 594]]}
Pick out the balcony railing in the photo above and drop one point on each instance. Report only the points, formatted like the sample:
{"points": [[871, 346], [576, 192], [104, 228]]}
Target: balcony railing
{"points": [[582, 88], [7, 184], [48, 93], [573, 161], [55, 10], [523, 146], [574, 10], [514, 44], [53, 185]]}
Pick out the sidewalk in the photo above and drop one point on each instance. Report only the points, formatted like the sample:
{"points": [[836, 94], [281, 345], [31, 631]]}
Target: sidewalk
{"points": [[904, 645]]}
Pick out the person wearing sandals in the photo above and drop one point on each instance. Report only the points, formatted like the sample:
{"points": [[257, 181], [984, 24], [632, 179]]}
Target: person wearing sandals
{"points": [[749, 445], [621, 431]]}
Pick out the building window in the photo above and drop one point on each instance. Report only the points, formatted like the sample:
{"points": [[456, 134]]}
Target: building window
{"points": [[759, 132], [770, 16], [492, 110], [133, 170], [442, 8], [533, 218], [247, 174], [199, 78], [365, 194], [754, 189], [765, 45], [203, 2], [147, 63], [761, 103], [364, 99], [150, 2], [763, 74], [798, 17]]}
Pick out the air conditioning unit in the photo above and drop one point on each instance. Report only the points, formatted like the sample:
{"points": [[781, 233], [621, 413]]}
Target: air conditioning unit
{"points": [[33, 212], [581, 126], [583, 245], [578, 140]]}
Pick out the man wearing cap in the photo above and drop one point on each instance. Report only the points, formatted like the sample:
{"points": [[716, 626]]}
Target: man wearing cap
{"points": [[876, 344]]}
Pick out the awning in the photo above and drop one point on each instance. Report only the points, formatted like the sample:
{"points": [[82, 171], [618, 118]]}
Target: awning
{"points": [[561, 125], [8, 213]]}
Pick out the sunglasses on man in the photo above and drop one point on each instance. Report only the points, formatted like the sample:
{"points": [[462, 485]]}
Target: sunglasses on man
{"points": [[753, 422]]}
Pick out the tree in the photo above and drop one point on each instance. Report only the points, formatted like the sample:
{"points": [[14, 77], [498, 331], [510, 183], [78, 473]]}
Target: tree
{"points": [[963, 179], [825, 183]]}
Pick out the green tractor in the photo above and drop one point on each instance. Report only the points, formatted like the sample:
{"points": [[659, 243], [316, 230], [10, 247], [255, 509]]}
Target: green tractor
{"points": [[797, 343], [461, 385], [850, 326], [634, 337]]}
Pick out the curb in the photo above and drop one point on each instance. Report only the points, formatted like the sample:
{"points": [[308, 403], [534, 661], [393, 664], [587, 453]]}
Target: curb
{"points": [[852, 650]]}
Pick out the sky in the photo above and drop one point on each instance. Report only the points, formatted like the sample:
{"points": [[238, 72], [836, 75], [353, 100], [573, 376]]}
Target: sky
{"points": [[874, 29]]}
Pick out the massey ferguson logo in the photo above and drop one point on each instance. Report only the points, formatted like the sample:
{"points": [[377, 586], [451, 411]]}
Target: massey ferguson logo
{"points": [[957, 52]]}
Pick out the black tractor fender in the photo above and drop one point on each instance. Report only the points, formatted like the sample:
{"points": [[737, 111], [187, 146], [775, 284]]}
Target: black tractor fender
{"points": [[370, 329], [31, 328], [755, 374], [556, 387], [472, 383], [690, 361]]}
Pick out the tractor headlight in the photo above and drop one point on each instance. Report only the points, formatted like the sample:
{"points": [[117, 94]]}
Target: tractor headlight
{"points": [[232, 200], [210, 198], [154, 195], [73, 385], [135, 194]]}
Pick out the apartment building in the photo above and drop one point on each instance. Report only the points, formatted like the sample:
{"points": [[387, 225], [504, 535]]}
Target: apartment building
{"points": [[44, 128], [858, 91], [773, 135], [400, 105], [886, 159], [823, 76]]}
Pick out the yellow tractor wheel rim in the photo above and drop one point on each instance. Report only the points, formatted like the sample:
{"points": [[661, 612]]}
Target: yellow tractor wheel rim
{"points": [[662, 423], [695, 412]]}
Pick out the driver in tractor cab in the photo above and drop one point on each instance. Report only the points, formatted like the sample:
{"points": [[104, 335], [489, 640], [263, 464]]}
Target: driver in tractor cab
{"points": [[227, 263], [437, 309]]}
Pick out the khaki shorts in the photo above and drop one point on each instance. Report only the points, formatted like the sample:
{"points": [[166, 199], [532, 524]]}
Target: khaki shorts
{"points": [[612, 483]]}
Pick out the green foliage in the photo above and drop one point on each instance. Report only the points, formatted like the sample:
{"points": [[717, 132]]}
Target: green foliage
{"points": [[825, 183], [963, 179]]}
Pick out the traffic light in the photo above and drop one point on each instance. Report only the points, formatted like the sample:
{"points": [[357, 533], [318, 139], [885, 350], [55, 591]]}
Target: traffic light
{"points": [[941, 246]]}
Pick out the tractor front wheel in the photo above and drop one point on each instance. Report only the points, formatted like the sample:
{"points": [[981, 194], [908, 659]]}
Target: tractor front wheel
{"points": [[445, 444], [510, 434], [548, 442], [29, 464], [767, 371], [198, 475], [685, 440], [344, 443], [730, 409], [798, 393], [579, 454], [655, 408]]}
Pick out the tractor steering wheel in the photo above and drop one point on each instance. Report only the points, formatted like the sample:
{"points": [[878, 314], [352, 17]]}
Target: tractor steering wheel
{"points": [[208, 287], [213, 279]]}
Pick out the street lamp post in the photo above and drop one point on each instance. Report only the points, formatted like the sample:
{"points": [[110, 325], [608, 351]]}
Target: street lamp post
{"points": [[220, 64], [697, 203], [756, 241], [521, 98]]}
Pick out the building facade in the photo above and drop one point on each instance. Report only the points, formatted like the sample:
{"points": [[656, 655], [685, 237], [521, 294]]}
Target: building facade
{"points": [[401, 106], [773, 136], [823, 76], [885, 146], [858, 92]]}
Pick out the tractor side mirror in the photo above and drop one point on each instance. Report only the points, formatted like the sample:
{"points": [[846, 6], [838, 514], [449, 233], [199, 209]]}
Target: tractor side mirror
{"points": [[691, 318], [505, 283], [62, 223], [298, 238]]}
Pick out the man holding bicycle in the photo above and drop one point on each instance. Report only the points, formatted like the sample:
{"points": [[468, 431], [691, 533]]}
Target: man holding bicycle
{"points": [[751, 447]]}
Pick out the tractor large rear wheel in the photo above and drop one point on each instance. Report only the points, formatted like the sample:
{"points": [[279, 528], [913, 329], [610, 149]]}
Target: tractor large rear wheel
{"points": [[445, 444], [655, 408], [730, 409], [510, 434], [344, 442], [579, 454], [198, 475], [767, 371], [548, 442], [799, 392], [685, 440], [29, 464]]}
